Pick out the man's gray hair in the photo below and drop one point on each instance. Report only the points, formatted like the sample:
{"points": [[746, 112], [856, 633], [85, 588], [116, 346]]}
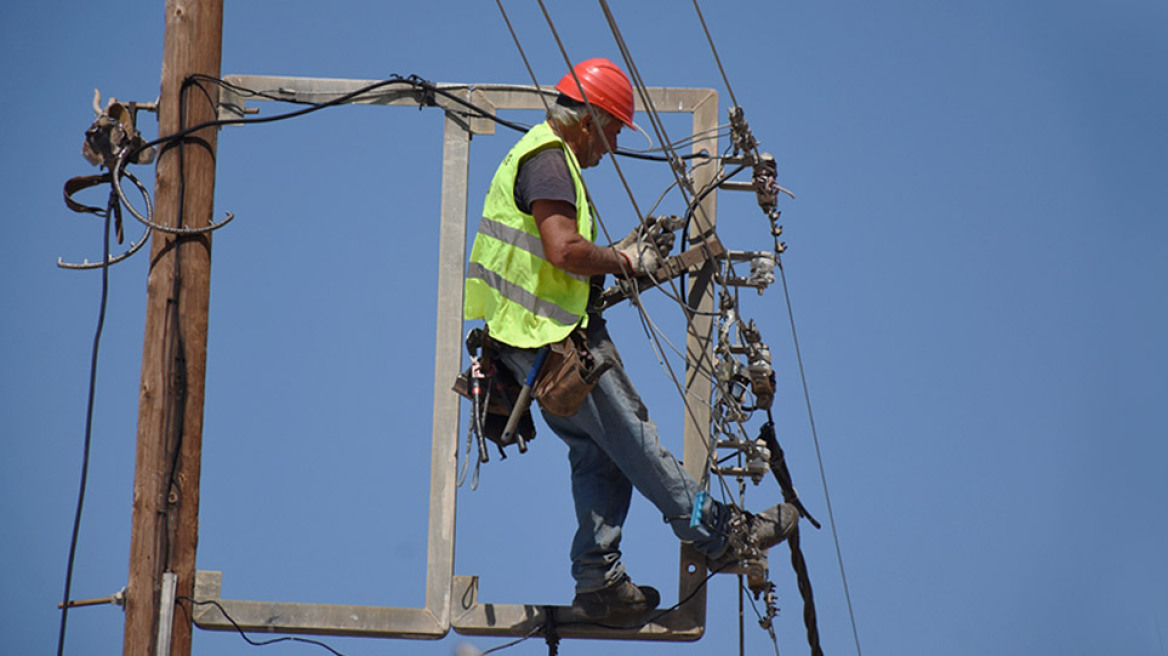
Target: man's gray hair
{"points": [[566, 111]]}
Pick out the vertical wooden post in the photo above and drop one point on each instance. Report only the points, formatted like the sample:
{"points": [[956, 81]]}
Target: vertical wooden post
{"points": [[165, 515]]}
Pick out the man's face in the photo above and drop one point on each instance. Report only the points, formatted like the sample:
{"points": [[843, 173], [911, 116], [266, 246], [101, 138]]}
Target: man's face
{"points": [[594, 147]]}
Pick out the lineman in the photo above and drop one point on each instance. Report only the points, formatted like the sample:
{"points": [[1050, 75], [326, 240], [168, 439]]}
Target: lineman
{"points": [[532, 270]]}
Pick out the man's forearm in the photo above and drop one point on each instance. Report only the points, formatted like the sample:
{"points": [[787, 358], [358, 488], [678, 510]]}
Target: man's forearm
{"points": [[587, 259]]}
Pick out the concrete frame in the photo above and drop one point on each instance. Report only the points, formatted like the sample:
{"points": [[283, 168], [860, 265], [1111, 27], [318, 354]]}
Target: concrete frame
{"points": [[452, 601]]}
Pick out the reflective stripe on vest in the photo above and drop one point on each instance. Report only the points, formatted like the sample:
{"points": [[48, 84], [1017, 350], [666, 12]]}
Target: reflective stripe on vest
{"points": [[519, 239], [510, 290]]}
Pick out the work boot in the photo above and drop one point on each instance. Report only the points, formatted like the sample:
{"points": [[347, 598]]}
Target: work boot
{"points": [[619, 600], [749, 536]]}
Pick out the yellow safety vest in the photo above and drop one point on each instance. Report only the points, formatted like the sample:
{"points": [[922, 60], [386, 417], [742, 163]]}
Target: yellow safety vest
{"points": [[526, 300]]}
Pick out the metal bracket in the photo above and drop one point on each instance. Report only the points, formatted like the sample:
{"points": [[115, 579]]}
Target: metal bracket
{"points": [[687, 261]]}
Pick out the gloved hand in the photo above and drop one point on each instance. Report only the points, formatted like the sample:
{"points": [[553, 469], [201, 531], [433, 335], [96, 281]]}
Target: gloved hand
{"points": [[641, 255], [648, 244], [660, 229]]}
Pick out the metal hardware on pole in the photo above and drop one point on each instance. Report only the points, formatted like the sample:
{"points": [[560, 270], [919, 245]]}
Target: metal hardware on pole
{"points": [[166, 614]]}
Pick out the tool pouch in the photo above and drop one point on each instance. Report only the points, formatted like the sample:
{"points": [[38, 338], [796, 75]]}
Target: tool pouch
{"points": [[503, 390], [568, 376]]}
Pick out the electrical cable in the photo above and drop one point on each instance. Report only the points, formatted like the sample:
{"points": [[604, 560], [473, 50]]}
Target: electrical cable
{"points": [[135, 246], [641, 218], [508, 645], [717, 59], [339, 100], [634, 74], [88, 427], [259, 643], [819, 457], [714, 132], [175, 351], [742, 589], [523, 55], [709, 447], [417, 82], [696, 203], [650, 109], [684, 186], [808, 608], [803, 378], [412, 80], [593, 111]]}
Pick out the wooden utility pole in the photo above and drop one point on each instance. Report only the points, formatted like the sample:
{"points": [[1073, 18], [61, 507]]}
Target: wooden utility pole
{"points": [[165, 516]]}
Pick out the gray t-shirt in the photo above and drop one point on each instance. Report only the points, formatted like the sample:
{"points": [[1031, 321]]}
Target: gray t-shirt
{"points": [[544, 176]]}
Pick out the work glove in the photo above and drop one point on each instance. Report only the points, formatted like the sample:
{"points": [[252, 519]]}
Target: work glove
{"points": [[648, 244], [642, 256]]}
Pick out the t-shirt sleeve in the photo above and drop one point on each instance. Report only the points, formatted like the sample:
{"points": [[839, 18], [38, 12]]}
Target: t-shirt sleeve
{"points": [[544, 176]]}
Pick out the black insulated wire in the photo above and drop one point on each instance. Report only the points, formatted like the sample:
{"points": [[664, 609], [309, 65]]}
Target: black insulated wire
{"points": [[429, 88], [105, 262], [259, 643]]}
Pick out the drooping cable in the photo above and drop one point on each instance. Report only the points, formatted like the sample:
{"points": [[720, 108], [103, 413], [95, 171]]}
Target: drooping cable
{"points": [[539, 628], [419, 83], [412, 80], [88, 425], [339, 100], [258, 643], [819, 455]]}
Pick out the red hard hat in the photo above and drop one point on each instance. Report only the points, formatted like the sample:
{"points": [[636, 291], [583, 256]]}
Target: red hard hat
{"points": [[606, 86]]}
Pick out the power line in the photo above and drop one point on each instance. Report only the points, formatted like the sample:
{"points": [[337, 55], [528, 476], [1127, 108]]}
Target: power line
{"points": [[714, 50], [110, 208], [799, 359], [819, 459]]}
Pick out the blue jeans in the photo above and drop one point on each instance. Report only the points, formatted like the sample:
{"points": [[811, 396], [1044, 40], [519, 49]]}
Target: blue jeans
{"points": [[613, 448]]}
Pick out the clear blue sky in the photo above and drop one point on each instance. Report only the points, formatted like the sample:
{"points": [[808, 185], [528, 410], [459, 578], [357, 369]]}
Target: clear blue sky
{"points": [[976, 267]]}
